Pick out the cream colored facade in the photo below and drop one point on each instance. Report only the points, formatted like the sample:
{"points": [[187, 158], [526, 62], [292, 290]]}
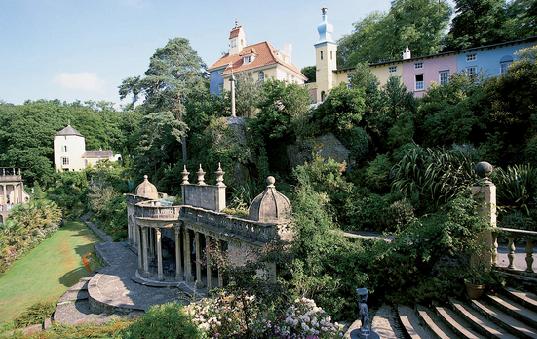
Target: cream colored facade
{"points": [[70, 152], [275, 71]]}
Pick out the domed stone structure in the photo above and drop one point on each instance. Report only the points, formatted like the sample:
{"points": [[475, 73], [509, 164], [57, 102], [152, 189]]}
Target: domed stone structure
{"points": [[147, 190], [270, 206]]}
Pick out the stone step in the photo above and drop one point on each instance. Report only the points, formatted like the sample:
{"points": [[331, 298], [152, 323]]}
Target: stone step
{"points": [[513, 308], [434, 324], [457, 323], [479, 321], [511, 324], [411, 324], [528, 299], [385, 323], [71, 313]]}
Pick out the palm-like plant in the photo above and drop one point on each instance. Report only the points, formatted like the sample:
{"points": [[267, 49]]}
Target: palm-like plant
{"points": [[516, 187], [433, 176]]}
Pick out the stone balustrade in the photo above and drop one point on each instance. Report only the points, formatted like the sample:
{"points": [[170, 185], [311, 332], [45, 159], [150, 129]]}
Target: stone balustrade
{"points": [[152, 210], [230, 225], [515, 237]]}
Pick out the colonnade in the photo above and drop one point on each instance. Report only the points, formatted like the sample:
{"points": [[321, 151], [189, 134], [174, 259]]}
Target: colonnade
{"points": [[17, 197], [187, 251]]}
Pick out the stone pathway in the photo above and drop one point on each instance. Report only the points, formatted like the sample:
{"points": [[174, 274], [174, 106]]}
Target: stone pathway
{"points": [[112, 289], [384, 323]]}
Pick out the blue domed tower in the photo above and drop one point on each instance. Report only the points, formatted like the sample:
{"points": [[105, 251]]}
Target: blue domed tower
{"points": [[325, 50]]}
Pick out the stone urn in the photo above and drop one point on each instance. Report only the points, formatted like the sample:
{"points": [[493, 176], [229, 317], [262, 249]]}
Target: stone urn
{"points": [[474, 291]]}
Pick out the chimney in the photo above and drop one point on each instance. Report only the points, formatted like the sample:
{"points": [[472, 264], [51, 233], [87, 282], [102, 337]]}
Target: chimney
{"points": [[406, 54]]}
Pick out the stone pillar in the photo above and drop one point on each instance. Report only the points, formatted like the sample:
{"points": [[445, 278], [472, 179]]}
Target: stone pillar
{"points": [[178, 269], [144, 250], [151, 244], [219, 273], [186, 255], [160, 270], [209, 268], [198, 256], [485, 193], [140, 253]]}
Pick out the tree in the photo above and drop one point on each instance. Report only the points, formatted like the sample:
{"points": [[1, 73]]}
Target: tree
{"points": [[521, 19], [416, 24], [175, 71], [477, 23], [248, 93], [310, 72]]}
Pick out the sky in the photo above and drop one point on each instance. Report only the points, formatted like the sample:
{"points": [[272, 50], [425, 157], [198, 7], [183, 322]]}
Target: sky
{"points": [[82, 50]]}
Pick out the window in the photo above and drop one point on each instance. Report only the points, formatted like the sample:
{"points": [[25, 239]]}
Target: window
{"points": [[392, 69], [444, 77], [418, 65], [261, 76], [471, 71], [65, 161], [65, 148], [330, 55], [471, 57], [419, 86], [323, 96], [233, 43], [504, 66], [220, 87], [322, 55], [247, 59]]}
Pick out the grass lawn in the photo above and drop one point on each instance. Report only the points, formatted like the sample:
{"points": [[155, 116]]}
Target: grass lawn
{"points": [[45, 272]]}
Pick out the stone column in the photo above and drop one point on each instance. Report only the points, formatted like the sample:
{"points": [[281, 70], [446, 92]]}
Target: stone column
{"points": [[178, 269], [144, 250], [186, 255], [140, 253], [485, 193], [219, 272], [198, 256], [160, 270], [209, 268], [151, 244]]}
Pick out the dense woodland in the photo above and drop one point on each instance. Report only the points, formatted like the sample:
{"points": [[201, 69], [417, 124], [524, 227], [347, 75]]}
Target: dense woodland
{"points": [[411, 160]]}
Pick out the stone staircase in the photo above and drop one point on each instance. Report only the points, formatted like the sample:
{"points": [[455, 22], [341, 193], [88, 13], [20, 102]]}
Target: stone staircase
{"points": [[509, 313]]}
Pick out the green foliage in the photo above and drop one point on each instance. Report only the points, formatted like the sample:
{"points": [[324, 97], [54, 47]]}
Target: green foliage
{"points": [[356, 140], [27, 133], [248, 94], [70, 193], [163, 321], [431, 177], [28, 224], [530, 151], [418, 25], [378, 173], [342, 109], [310, 72], [35, 314]]}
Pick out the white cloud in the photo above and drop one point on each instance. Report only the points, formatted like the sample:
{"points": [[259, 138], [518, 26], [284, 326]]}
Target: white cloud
{"points": [[80, 81]]}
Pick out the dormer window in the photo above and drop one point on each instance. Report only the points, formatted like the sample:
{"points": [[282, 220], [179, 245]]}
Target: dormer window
{"points": [[248, 59]]}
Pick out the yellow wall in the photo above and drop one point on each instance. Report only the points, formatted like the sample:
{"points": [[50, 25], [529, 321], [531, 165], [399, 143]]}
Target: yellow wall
{"points": [[275, 71], [325, 56], [382, 72]]}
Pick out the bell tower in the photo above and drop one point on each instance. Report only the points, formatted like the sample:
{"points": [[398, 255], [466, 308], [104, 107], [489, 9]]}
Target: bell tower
{"points": [[325, 56], [237, 39]]}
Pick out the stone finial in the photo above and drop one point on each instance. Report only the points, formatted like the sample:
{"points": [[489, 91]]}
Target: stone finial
{"points": [[483, 170], [145, 177], [219, 176], [185, 174], [201, 177], [271, 181]]}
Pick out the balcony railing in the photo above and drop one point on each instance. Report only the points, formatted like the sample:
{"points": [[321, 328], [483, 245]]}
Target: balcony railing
{"points": [[152, 209], [515, 238], [230, 225]]}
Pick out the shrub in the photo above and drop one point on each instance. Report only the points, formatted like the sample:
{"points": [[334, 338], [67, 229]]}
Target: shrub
{"points": [[304, 319], [378, 173], [35, 314], [163, 321], [434, 176], [530, 151], [356, 140]]}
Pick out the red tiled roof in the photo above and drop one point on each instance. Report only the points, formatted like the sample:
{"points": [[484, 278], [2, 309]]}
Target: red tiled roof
{"points": [[234, 32], [265, 56]]}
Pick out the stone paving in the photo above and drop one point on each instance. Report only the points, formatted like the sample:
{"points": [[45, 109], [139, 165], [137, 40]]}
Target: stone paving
{"points": [[113, 286]]}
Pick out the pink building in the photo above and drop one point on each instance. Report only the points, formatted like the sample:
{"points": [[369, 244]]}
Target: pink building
{"points": [[420, 73]]}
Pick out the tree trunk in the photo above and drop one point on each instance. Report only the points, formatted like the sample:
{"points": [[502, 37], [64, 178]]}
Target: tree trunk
{"points": [[183, 149]]}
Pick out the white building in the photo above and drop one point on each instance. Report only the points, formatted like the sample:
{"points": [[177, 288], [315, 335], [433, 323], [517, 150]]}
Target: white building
{"points": [[70, 151]]}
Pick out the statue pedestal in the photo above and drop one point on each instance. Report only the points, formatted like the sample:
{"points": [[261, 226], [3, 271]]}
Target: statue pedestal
{"points": [[357, 334]]}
